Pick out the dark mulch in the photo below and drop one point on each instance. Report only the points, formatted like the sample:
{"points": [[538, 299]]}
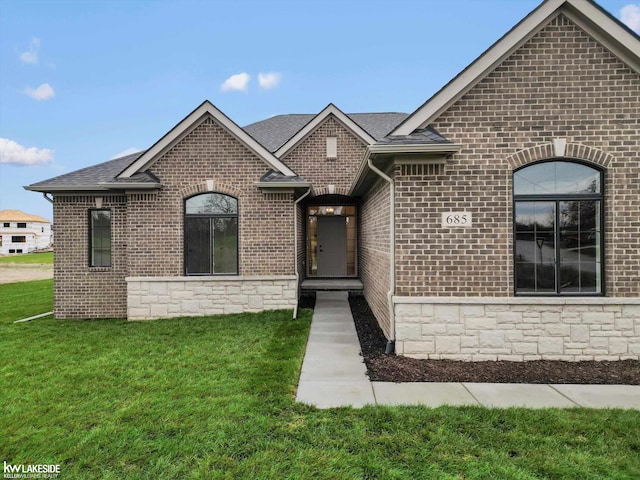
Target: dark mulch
{"points": [[392, 368]]}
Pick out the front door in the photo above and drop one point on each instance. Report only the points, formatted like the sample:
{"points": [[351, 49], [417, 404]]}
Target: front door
{"points": [[332, 246]]}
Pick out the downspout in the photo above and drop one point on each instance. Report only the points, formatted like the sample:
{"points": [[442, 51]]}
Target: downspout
{"points": [[295, 249], [391, 344], [44, 194]]}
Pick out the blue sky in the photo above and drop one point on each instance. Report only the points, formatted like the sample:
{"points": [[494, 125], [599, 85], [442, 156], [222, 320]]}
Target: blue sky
{"points": [[83, 81]]}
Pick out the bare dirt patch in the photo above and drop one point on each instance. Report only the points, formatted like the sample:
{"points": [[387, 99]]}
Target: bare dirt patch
{"points": [[19, 272]]}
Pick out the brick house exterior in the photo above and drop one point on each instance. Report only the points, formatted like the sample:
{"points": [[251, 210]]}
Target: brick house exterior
{"points": [[458, 259]]}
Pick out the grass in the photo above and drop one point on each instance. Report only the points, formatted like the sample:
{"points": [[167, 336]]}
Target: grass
{"points": [[41, 258], [214, 398]]}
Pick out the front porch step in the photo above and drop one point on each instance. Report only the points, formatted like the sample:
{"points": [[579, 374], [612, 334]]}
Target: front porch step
{"points": [[323, 284]]}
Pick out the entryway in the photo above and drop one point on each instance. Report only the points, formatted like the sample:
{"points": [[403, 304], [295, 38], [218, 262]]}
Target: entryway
{"points": [[331, 241]]}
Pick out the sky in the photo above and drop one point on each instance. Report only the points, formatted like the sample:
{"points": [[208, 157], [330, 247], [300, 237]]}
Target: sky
{"points": [[85, 81]]}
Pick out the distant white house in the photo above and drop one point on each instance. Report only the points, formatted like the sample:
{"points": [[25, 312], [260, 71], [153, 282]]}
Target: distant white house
{"points": [[23, 233]]}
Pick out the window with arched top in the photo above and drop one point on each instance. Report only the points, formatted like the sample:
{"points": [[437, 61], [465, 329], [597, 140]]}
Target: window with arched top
{"points": [[558, 225], [211, 235]]}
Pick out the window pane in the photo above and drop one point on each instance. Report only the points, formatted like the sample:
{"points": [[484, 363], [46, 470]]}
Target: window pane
{"points": [[556, 178], [580, 277], [211, 204], [225, 245], [100, 238], [535, 251], [197, 241]]}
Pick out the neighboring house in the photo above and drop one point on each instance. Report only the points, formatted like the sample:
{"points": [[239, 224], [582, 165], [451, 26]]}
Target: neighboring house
{"points": [[23, 233], [500, 220]]}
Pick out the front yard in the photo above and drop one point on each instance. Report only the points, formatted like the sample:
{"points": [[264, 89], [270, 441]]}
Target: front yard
{"points": [[213, 398]]}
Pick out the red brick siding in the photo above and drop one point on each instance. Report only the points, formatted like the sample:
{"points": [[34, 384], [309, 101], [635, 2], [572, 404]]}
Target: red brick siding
{"points": [[210, 153], [374, 234], [309, 158], [81, 291], [559, 84]]}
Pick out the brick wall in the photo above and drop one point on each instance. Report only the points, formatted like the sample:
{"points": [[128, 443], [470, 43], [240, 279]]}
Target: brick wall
{"points": [[265, 221], [559, 84], [309, 158], [81, 291], [374, 234]]}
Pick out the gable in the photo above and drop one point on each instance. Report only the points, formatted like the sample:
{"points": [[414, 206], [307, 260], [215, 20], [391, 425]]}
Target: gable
{"points": [[205, 111], [333, 111], [609, 32]]}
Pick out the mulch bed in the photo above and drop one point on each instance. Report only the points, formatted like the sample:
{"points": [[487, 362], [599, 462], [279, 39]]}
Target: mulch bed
{"points": [[383, 367]]}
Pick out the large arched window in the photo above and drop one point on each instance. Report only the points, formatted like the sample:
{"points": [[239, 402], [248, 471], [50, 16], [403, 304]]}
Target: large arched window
{"points": [[211, 235], [558, 229]]}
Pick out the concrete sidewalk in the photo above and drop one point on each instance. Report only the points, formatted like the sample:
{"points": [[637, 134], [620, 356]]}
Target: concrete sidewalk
{"points": [[334, 375]]}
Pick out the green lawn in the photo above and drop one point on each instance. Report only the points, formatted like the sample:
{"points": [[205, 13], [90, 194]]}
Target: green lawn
{"points": [[43, 258], [214, 398]]}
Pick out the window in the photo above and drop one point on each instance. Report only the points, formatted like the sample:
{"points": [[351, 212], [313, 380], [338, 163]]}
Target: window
{"points": [[100, 238], [558, 229], [22, 225], [6, 224], [211, 235], [18, 239]]}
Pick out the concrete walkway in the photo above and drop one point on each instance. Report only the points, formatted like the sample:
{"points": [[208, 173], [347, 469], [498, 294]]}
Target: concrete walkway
{"points": [[334, 375]]}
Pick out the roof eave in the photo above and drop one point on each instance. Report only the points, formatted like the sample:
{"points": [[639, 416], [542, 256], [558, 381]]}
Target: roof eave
{"points": [[447, 148], [282, 184], [99, 187]]}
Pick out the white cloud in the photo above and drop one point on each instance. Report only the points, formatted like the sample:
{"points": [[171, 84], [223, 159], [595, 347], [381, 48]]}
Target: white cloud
{"points": [[238, 82], [126, 152], [269, 80], [31, 55], [43, 92], [630, 16], [16, 154]]}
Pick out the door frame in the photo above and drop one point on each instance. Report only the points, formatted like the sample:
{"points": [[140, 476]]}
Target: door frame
{"points": [[342, 209]]}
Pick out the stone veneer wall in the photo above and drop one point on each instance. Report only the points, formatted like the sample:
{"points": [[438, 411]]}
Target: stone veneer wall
{"points": [[517, 328], [167, 297]]}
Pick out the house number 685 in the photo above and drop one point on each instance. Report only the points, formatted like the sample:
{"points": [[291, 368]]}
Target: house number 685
{"points": [[456, 219]]}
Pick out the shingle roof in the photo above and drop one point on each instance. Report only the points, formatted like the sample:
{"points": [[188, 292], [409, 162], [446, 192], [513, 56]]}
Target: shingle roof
{"points": [[274, 132], [421, 136], [105, 172]]}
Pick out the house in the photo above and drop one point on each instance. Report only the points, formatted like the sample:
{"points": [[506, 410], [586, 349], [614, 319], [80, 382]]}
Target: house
{"points": [[23, 233], [499, 221]]}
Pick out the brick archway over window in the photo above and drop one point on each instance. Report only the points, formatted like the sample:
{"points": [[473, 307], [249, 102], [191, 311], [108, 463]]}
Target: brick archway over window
{"points": [[203, 187], [547, 151]]}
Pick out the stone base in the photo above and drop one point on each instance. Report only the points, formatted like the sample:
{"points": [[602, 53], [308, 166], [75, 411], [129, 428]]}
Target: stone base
{"points": [[168, 297], [518, 329]]}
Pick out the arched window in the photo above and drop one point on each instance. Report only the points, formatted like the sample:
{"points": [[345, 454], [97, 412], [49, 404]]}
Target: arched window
{"points": [[558, 225], [211, 235]]}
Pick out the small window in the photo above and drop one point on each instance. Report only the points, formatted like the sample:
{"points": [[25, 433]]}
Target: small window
{"points": [[558, 225], [18, 239], [22, 225], [211, 235], [100, 238], [6, 224], [19, 250], [12, 250]]}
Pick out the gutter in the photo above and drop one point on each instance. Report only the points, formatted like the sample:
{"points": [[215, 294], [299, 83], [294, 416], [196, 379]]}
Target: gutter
{"points": [[295, 248], [391, 344]]}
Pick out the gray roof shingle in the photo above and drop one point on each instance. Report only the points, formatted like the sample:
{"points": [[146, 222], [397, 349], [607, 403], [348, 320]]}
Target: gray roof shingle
{"points": [[428, 135], [97, 174], [274, 132]]}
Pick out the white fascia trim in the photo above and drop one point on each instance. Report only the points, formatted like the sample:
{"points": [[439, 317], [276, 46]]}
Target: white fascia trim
{"points": [[417, 148], [330, 109], [289, 185], [191, 122], [478, 69], [584, 13]]}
